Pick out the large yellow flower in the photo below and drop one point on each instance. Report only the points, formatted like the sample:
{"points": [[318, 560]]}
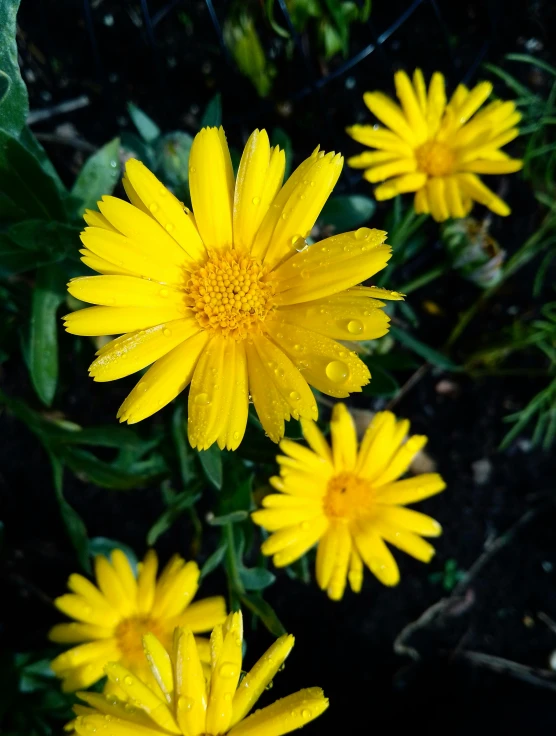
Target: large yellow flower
{"points": [[436, 149], [350, 501], [179, 699], [229, 299], [112, 618]]}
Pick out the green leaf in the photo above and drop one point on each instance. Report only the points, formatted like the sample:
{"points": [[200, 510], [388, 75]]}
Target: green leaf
{"points": [[134, 146], [214, 560], [48, 294], [98, 176], [211, 460], [212, 116], [347, 212], [280, 138], [30, 186], [255, 603], [256, 578], [232, 518], [14, 103], [108, 475], [426, 352], [183, 448], [172, 159], [75, 527], [147, 128], [103, 436], [180, 503], [104, 546]]}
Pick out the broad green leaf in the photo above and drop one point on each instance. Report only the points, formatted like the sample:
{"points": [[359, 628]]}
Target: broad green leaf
{"points": [[108, 475], [14, 259], [48, 294], [214, 560], [135, 147], [75, 527], [347, 212], [31, 187], [172, 159], [256, 578], [255, 603], [212, 116], [211, 460], [180, 503], [104, 546], [280, 138], [103, 436], [147, 128], [27, 138], [430, 354], [98, 176], [14, 104]]}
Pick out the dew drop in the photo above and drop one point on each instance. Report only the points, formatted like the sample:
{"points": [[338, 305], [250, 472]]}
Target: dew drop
{"points": [[113, 163], [355, 327], [306, 713], [227, 670], [362, 233], [107, 717], [202, 399], [163, 293], [305, 274], [228, 697], [153, 207], [192, 170], [312, 183], [167, 332], [294, 396], [304, 525], [236, 435], [128, 680], [185, 703], [299, 243], [163, 191], [256, 200], [337, 371], [284, 215], [169, 227]]}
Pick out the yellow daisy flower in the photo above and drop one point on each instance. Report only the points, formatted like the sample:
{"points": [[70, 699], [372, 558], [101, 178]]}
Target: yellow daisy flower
{"points": [[229, 299], [435, 148], [349, 500], [111, 619], [179, 699]]}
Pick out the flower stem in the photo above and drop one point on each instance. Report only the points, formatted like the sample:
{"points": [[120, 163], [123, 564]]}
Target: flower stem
{"points": [[425, 278]]}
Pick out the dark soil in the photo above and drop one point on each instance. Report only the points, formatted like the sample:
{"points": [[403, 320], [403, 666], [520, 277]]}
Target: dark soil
{"points": [[346, 647]]}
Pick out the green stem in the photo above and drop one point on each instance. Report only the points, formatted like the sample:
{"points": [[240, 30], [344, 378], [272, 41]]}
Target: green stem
{"points": [[424, 278], [399, 237], [234, 581]]}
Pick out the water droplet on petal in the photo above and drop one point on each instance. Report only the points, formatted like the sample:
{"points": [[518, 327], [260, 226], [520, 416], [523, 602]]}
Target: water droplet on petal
{"points": [[185, 703], [294, 396], [227, 697], [227, 670], [167, 332], [337, 371], [236, 435], [362, 233], [169, 227], [128, 680], [163, 293], [192, 170], [153, 207], [163, 191], [355, 327], [202, 399], [306, 713], [305, 273], [256, 200]]}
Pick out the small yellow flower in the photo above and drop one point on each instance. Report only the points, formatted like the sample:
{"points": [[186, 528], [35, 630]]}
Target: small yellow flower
{"points": [[350, 501], [229, 299], [111, 619], [179, 699], [436, 149]]}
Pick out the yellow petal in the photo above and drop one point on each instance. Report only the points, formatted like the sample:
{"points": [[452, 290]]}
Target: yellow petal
{"points": [[74, 633], [211, 184], [259, 177], [143, 697], [218, 399], [474, 187], [342, 555], [408, 542], [281, 501], [166, 209], [331, 266], [100, 265], [410, 520], [375, 292], [303, 206], [401, 185], [85, 725], [344, 438], [436, 102], [164, 380], [453, 197], [472, 102], [146, 581], [288, 380], [259, 676], [117, 320], [112, 705], [203, 615], [274, 519], [316, 439], [123, 570], [401, 461], [342, 316], [421, 203], [285, 715], [176, 592], [124, 291], [374, 137], [84, 654], [160, 665], [143, 231], [191, 695], [411, 107], [271, 408], [420, 91], [371, 158], [224, 679], [326, 365], [84, 676], [391, 115], [355, 574], [376, 555], [509, 166], [308, 535], [312, 462], [77, 607], [437, 198], [111, 586], [411, 490], [95, 219], [393, 168], [80, 585], [298, 484], [293, 536]]}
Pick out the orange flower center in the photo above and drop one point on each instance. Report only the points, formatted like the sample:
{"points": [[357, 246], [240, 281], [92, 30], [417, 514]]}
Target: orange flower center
{"points": [[347, 497], [230, 294], [129, 635], [435, 158]]}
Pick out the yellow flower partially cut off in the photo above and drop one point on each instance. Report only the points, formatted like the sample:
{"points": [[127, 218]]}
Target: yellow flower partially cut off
{"points": [[229, 298], [437, 148], [179, 699], [349, 500], [111, 618]]}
